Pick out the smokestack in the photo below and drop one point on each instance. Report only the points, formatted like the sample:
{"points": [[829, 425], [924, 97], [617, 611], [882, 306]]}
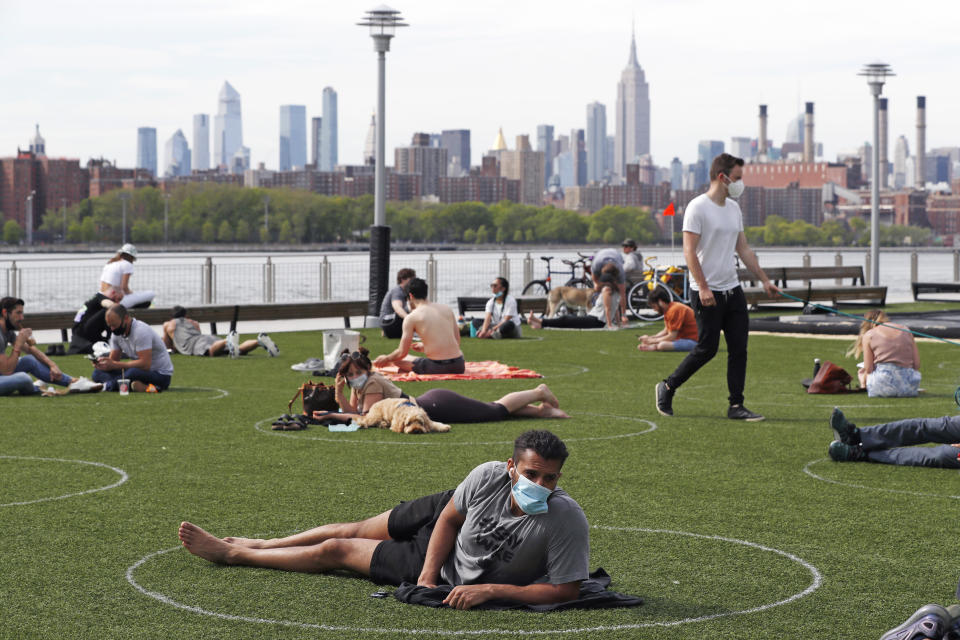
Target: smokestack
{"points": [[884, 164], [762, 140], [808, 133], [921, 178]]}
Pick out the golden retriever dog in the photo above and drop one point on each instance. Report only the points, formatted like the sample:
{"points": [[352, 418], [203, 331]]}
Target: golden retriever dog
{"points": [[400, 415], [574, 299]]}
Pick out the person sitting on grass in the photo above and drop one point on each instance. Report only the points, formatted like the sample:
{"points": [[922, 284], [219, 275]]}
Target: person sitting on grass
{"points": [[148, 365], [602, 315], [182, 334], [679, 331], [890, 443], [891, 362], [16, 369], [437, 327], [506, 532], [607, 268], [442, 405], [501, 318], [394, 307]]}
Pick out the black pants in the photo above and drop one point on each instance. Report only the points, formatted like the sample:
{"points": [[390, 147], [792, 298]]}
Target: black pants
{"points": [[729, 315]]}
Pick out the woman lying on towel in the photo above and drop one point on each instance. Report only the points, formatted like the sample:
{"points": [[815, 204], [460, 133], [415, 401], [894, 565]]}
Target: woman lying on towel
{"points": [[442, 405]]}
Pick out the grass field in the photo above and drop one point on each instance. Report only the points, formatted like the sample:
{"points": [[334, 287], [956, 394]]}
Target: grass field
{"points": [[713, 522]]}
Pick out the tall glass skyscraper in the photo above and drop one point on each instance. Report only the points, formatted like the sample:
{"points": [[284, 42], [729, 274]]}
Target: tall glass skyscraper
{"points": [[457, 144], [293, 136], [545, 144], [316, 135], [147, 149], [328, 134], [227, 126], [177, 155], [632, 130], [596, 141], [201, 141]]}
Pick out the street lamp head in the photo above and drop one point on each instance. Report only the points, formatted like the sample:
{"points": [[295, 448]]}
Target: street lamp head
{"points": [[383, 22], [876, 74]]}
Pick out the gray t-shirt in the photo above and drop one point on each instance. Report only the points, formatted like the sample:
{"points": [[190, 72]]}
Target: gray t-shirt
{"points": [[141, 338], [7, 336], [608, 256], [386, 307], [496, 547]]}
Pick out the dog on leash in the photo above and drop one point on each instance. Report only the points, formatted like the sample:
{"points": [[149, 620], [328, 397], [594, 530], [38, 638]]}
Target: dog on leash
{"points": [[574, 299], [400, 415]]}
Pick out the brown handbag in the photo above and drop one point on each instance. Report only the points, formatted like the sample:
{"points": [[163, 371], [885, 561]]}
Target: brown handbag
{"points": [[316, 397], [831, 379]]}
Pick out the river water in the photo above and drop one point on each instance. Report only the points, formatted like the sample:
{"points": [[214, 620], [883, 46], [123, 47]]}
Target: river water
{"points": [[53, 282]]}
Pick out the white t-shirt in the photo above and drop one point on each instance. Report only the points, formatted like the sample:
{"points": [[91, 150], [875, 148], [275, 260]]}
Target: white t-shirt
{"points": [[113, 273], [718, 228], [509, 309], [141, 338]]}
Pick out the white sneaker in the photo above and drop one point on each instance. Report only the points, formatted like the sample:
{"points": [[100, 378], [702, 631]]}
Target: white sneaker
{"points": [[310, 364], [233, 344], [268, 344], [84, 385]]}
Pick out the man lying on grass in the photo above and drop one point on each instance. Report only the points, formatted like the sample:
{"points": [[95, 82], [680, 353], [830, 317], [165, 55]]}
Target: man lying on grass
{"points": [[507, 532]]}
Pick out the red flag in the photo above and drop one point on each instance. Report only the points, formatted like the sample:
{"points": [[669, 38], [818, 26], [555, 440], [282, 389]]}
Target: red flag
{"points": [[669, 211]]}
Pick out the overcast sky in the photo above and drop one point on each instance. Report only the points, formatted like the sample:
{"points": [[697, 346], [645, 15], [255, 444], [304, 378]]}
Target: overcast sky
{"points": [[91, 72]]}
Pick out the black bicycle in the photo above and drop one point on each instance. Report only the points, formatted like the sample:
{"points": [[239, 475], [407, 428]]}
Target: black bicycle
{"points": [[577, 275]]}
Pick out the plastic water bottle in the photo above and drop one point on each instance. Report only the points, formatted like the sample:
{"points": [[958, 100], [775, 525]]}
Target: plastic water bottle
{"points": [[816, 367]]}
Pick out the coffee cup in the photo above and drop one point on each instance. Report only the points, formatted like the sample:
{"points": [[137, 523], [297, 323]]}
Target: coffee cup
{"points": [[124, 385]]}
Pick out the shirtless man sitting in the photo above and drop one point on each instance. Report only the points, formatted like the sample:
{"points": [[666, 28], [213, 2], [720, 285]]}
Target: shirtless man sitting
{"points": [[437, 327]]}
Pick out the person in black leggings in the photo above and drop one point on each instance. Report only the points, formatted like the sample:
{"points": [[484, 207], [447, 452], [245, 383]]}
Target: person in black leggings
{"points": [[442, 405]]}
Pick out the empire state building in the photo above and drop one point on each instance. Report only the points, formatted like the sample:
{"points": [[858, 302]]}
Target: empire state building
{"points": [[632, 134]]}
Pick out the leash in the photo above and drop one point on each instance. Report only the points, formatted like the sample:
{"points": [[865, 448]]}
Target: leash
{"points": [[862, 319]]}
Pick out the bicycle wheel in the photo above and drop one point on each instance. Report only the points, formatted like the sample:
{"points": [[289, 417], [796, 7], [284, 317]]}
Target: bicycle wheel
{"points": [[537, 288], [637, 300]]}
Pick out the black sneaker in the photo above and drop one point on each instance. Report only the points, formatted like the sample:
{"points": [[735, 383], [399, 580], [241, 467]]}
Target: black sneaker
{"points": [[664, 398], [740, 412], [844, 431], [840, 452]]}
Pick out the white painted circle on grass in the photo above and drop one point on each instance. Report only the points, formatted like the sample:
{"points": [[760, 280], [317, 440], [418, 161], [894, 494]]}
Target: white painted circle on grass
{"points": [[806, 470], [123, 478], [816, 581], [419, 439], [217, 392]]}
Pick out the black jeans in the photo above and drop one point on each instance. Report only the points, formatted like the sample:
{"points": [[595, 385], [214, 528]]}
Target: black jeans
{"points": [[729, 315]]}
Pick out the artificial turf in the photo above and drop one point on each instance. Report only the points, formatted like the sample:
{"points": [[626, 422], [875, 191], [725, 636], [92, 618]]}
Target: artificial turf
{"points": [[702, 516]]}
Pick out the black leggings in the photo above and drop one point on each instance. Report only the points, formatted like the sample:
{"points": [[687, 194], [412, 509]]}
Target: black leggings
{"points": [[447, 406], [574, 322]]}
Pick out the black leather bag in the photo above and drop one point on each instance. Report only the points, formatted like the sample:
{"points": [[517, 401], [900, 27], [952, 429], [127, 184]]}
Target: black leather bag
{"points": [[316, 397]]}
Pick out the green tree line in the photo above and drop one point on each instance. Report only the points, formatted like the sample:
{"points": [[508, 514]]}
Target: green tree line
{"points": [[228, 214], [780, 232]]}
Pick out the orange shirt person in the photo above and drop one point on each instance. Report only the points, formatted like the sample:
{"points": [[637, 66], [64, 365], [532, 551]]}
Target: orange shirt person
{"points": [[679, 331]]}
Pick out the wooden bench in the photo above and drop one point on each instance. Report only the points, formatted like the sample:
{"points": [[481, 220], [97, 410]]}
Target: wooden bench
{"points": [[213, 314], [525, 304], [921, 288], [857, 290]]}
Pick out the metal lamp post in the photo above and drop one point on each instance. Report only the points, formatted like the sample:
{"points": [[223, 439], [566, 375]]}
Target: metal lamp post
{"points": [[166, 216], [28, 219], [383, 22], [876, 74], [266, 220], [123, 203]]}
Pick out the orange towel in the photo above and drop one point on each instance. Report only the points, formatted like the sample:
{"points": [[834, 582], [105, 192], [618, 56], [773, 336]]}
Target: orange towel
{"points": [[484, 370]]}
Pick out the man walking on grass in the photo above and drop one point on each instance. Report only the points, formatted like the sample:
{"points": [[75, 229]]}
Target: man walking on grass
{"points": [[712, 235]]}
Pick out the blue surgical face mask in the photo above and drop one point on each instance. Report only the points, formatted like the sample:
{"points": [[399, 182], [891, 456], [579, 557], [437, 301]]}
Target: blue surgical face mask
{"points": [[358, 382], [530, 496], [499, 294]]}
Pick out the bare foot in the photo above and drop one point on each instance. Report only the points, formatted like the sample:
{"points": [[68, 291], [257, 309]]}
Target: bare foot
{"points": [[548, 397], [534, 322], [249, 543], [646, 347], [200, 543], [548, 411]]}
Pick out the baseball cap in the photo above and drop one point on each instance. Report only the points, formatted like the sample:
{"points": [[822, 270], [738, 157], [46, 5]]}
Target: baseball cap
{"points": [[629, 242], [128, 249]]}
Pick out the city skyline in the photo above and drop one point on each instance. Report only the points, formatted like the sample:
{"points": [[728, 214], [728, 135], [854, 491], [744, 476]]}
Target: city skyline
{"points": [[90, 89]]}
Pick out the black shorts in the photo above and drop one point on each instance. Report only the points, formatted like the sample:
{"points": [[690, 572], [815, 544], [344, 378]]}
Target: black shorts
{"points": [[410, 525], [428, 366]]}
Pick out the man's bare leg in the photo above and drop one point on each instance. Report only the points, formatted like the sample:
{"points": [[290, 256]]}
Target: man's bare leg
{"points": [[336, 553], [405, 365], [374, 528], [217, 347], [247, 346]]}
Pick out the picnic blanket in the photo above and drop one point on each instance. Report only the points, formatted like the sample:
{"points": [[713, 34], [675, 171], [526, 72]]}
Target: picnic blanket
{"points": [[482, 370]]}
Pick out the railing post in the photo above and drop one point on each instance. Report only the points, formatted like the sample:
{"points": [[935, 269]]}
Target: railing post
{"points": [[806, 265], [206, 282], [268, 281], [432, 278], [505, 266], [866, 268], [12, 289], [325, 279], [838, 262], [914, 266], [956, 265], [527, 270]]}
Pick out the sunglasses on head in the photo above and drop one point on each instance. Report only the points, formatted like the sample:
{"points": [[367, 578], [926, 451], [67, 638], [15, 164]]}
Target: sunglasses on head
{"points": [[356, 356]]}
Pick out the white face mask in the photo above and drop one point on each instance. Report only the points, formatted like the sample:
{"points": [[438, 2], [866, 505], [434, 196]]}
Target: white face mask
{"points": [[735, 189], [358, 382]]}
